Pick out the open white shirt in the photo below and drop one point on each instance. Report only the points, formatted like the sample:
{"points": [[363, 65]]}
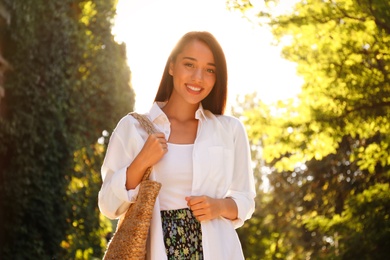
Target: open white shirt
{"points": [[221, 168]]}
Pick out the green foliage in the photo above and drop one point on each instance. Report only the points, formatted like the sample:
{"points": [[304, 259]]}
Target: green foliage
{"points": [[327, 152], [69, 82], [85, 218], [363, 229], [347, 87]]}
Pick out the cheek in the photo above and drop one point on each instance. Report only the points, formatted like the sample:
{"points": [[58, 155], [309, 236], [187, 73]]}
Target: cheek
{"points": [[179, 72]]}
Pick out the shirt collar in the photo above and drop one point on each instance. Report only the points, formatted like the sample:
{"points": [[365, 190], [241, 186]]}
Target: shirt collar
{"points": [[156, 111], [200, 113]]}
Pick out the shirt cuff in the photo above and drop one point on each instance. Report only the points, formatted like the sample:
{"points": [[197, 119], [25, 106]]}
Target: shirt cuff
{"points": [[132, 194], [245, 207], [118, 186]]}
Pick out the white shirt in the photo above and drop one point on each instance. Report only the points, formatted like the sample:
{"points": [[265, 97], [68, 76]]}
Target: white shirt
{"points": [[221, 168], [175, 172]]}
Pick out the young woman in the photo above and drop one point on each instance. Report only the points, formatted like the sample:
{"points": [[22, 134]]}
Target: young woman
{"points": [[200, 156]]}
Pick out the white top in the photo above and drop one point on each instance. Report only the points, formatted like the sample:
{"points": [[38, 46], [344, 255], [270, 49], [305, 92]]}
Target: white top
{"points": [[221, 168], [174, 172]]}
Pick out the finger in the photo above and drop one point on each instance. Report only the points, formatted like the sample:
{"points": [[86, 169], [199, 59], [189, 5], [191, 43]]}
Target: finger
{"points": [[159, 135], [200, 216], [156, 137], [198, 212], [198, 209], [193, 200]]}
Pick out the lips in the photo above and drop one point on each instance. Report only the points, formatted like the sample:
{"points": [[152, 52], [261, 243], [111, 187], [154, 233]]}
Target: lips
{"points": [[194, 88]]}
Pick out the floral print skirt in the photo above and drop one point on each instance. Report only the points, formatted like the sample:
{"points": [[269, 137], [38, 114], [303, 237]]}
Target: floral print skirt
{"points": [[182, 235]]}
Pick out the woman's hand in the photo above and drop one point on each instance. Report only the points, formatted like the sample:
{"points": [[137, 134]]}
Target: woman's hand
{"points": [[153, 150], [206, 208]]}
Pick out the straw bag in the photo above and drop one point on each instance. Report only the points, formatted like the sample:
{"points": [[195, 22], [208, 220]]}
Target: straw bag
{"points": [[129, 240]]}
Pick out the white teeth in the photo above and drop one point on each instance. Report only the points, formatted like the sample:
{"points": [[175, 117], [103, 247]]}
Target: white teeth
{"points": [[194, 88]]}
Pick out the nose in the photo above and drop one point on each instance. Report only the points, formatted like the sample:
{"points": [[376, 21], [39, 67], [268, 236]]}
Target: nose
{"points": [[197, 74]]}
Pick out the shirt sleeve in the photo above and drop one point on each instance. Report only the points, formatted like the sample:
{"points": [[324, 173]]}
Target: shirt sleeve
{"points": [[114, 199], [242, 189]]}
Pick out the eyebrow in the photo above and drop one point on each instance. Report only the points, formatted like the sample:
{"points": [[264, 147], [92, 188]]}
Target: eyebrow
{"points": [[190, 58]]}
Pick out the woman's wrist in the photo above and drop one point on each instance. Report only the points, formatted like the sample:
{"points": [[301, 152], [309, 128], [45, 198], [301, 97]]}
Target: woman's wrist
{"points": [[229, 208]]}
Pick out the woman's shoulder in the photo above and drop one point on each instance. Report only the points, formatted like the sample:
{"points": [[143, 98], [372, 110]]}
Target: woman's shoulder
{"points": [[127, 119], [126, 123], [227, 121]]}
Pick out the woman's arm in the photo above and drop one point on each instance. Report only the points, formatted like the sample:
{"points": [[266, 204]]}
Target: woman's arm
{"points": [[124, 144], [206, 208], [153, 150], [242, 188]]}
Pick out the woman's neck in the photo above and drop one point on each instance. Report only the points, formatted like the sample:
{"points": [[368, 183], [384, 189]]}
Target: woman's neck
{"points": [[180, 112], [183, 123]]}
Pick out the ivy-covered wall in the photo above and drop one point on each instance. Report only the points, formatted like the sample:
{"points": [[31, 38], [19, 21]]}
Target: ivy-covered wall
{"points": [[69, 82]]}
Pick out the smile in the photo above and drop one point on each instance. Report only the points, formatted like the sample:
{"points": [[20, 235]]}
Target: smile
{"points": [[197, 89]]}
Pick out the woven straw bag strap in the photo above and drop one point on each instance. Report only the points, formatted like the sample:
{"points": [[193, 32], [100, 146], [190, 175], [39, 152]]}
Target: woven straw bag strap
{"points": [[150, 129], [145, 123]]}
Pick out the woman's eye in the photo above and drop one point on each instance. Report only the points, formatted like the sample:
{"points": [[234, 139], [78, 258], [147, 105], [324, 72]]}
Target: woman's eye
{"points": [[210, 70], [190, 65]]}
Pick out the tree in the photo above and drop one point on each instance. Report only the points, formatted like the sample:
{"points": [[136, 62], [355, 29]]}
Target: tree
{"points": [[329, 147], [69, 82]]}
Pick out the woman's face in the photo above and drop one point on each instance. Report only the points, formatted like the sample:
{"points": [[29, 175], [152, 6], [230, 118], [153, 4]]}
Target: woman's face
{"points": [[193, 73]]}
